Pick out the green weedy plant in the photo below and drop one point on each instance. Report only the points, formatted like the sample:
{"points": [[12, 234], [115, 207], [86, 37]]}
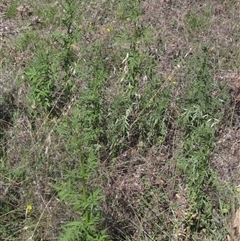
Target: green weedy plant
{"points": [[200, 120], [123, 110], [51, 90], [139, 113], [82, 200], [82, 133], [134, 58], [66, 40], [42, 75]]}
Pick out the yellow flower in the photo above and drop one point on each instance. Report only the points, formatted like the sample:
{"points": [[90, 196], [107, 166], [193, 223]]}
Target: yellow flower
{"points": [[108, 30], [29, 208]]}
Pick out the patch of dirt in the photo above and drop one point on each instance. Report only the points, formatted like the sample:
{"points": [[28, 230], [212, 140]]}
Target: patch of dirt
{"points": [[226, 155]]}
